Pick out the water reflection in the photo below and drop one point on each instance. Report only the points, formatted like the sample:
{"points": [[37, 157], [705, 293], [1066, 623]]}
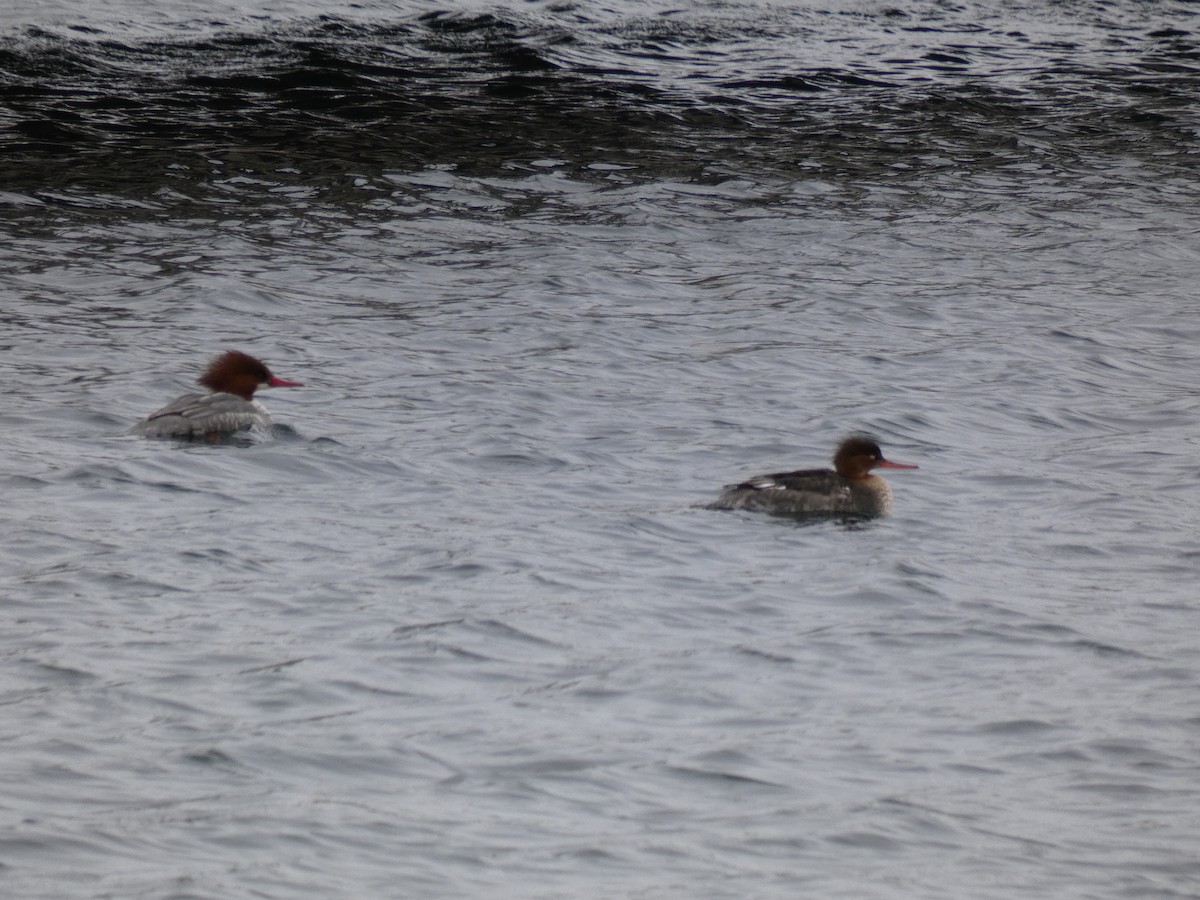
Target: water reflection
{"points": [[336, 104]]}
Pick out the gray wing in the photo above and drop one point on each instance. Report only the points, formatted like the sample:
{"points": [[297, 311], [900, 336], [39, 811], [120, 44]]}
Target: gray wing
{"points": [[199, 414], [819, 491]]}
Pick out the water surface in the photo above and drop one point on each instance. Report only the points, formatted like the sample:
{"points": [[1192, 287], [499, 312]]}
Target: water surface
{"points": [[552, 274]]}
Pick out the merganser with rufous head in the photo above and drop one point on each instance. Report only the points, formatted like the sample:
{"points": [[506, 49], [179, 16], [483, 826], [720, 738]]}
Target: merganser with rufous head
{"points": [[847, 489], [232, 378]]}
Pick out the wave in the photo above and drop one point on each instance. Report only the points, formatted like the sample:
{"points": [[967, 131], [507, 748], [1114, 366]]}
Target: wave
{"points": [[683, 94]]}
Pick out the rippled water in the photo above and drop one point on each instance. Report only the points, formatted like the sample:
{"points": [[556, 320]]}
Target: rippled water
{"points": [[552, 274]]}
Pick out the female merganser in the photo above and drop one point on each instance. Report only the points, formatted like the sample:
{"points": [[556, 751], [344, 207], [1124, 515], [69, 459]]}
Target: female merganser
{"points": [[851, 490], [233, 378]]}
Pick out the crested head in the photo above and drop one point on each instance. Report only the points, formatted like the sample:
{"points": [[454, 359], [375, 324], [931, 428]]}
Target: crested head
{"points": [[858, 445], [234, 372], [858, 454]]}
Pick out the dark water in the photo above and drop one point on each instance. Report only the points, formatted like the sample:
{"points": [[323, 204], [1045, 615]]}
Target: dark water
{"points": [[552, 274]]}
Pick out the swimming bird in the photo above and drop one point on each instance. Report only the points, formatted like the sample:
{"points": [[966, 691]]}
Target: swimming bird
{"points": [[847, 489], [232, 378]]}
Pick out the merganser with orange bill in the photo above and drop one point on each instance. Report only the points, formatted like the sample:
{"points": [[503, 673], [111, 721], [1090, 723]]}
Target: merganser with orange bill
{"points": [[849, 489], [232, 378]]}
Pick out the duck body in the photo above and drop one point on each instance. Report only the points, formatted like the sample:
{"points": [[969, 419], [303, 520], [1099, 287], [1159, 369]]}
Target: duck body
{"points": [[849, 489], [810, 492], [198, 415], [232, 378]]}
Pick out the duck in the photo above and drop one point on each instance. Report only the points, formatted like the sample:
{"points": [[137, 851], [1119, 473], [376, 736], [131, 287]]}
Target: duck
{"points": [[232, 379], [848, 489]]}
